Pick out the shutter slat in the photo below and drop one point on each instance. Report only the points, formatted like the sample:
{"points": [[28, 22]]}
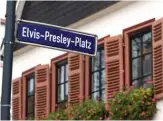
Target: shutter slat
{"points": [[16, 99], [42, 91], [157, 42], [113, 65], [75, 76]]}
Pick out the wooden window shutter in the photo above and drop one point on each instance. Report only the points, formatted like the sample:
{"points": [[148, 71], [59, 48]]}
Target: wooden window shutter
{"points": [[76, 78], [114, 74], [87, 77], [42, 91], [157, 41], [16, 99]]}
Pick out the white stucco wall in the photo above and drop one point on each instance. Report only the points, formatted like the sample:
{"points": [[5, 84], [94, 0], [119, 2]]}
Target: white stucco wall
{"points": [[111, 21], [2, 31]]}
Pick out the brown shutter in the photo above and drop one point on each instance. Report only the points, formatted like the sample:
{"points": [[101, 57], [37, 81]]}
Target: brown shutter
{"points": [[16, 99], [157, 39], [42, 91], [113, 65], [76, 79], [87, 77]]}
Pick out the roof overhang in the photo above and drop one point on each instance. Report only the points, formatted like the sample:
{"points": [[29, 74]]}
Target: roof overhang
{"points": [[62, 13]]}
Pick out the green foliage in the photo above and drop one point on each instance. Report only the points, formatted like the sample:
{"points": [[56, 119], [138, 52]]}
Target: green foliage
{"points": [[136, 104], [30, 118], [88, 110], [59, 115]]}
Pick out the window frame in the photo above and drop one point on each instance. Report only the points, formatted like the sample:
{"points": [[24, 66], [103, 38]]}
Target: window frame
{"points": [[53, 94], [28, 96], [59, 65], [138, 34], [126, 34], [100, 47], [25, 74]]}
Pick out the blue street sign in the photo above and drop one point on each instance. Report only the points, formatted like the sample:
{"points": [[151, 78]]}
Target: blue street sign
{"points": [[56, 37]]}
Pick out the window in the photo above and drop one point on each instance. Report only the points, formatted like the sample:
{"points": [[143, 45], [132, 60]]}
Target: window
{"points": [[62, 82], [141, 58], [30, 97], [98, 75]]}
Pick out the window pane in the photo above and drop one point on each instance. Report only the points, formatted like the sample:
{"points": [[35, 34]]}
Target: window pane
{"points": [[66, 90], [136, 47], [147, 64], [61, 93], [31, 86], [30, 104], [95, 62], [138, 83], [103, 95], [147, 46], [136, 68], [30, 116], [66, 72], [146, 81], [102, 59], [95, 81], [103, 79], [95, 95], [61, 74]]}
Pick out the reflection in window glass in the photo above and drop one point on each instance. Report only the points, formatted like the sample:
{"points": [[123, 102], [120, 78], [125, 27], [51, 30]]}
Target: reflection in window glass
{"points": [[96, 62], [141, 58], [61, 92], [103, 94], [102, 59], [95, 81], [103, 79], [62, 72], [136, 47], [147, 64], [147, 48], [136, 68], [30, 104], [66, 72], [30, 97], [31, 86], [66, 89], [98, 75], [95, 95]]}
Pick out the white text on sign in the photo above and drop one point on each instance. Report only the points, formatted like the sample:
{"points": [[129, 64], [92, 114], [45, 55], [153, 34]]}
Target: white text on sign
{"points": [[47, 36]]}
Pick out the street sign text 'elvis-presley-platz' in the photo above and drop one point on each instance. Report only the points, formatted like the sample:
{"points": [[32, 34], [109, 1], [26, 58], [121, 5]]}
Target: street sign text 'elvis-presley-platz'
{"points": [[56, 37]]}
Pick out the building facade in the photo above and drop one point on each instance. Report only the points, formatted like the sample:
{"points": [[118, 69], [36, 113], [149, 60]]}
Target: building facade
{"points": [[2, 31], [129, 52]]}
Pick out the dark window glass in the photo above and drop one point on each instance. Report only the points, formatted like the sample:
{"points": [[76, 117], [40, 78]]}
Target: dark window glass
{"points": [[141, 58], [30, 97], [62, 85], [98, 75]]}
